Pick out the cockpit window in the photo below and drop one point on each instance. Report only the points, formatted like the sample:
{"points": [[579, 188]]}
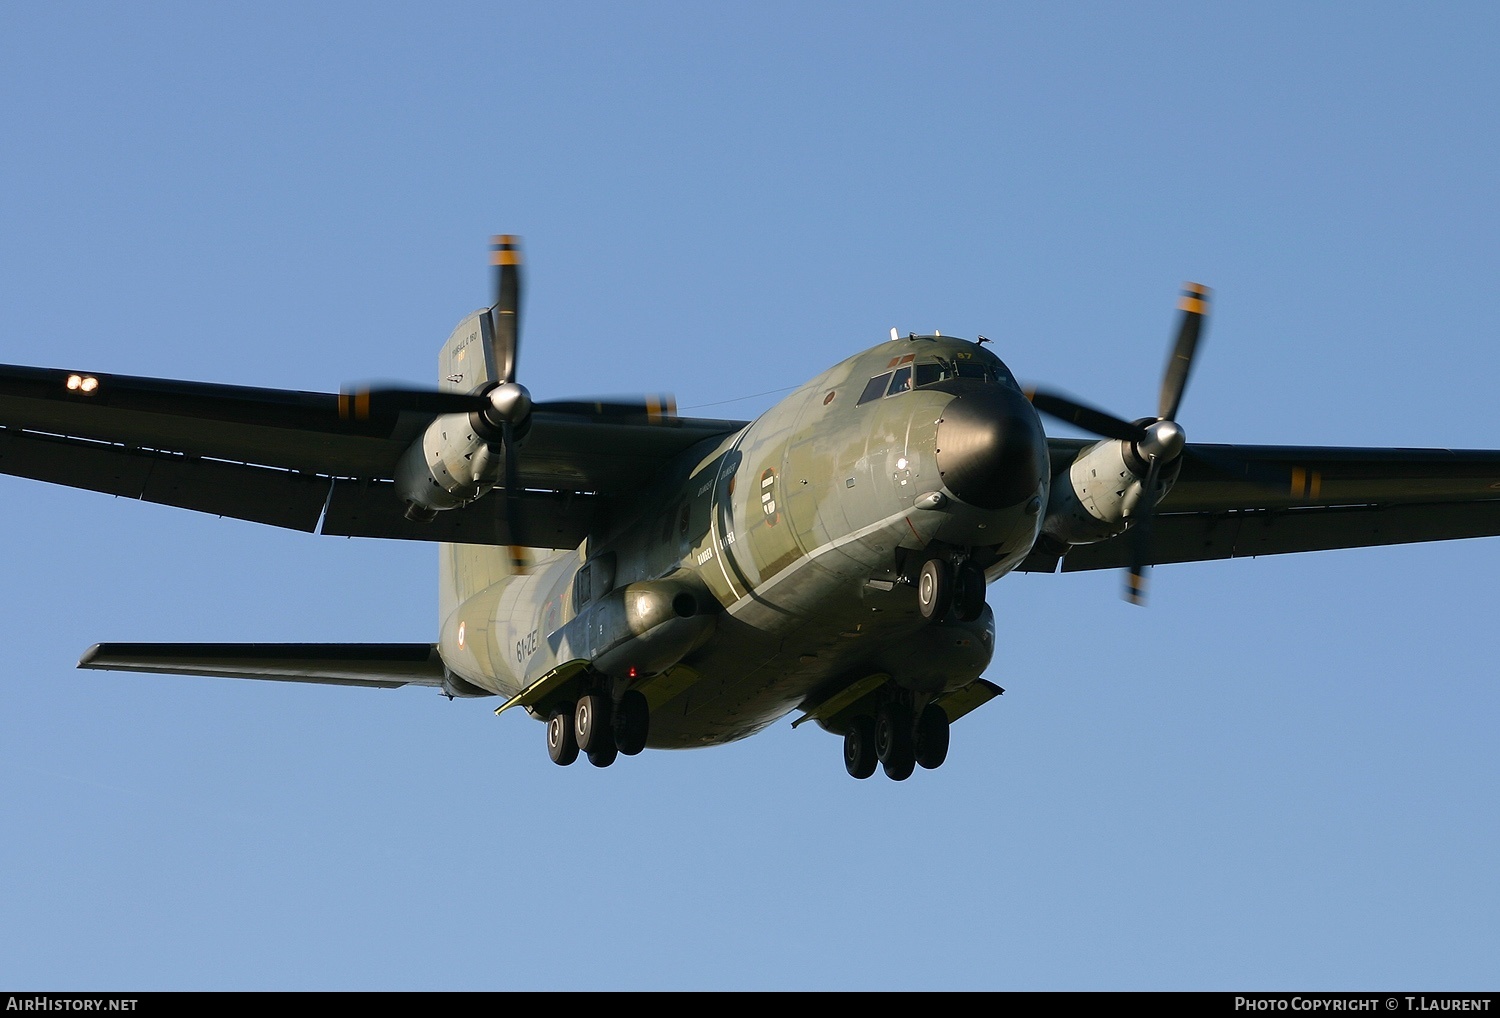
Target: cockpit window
{"points": [[874, 389], [985, 371], [929, 373]]}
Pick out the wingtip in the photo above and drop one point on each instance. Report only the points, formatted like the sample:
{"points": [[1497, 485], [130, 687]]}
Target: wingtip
{"points": [[87, 660]]}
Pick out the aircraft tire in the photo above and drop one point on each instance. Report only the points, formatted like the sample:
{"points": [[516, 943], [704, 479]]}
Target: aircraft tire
{"points": [[932, 737], [859, 748], [968, 597], [632, 722], [935, 589], [604, 755], [591, 722], [893, 741], [562, 741]]}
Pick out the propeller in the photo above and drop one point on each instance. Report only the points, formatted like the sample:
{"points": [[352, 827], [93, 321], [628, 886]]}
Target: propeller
{"points": [[510, 400], [1158, 442], [501, 410]]}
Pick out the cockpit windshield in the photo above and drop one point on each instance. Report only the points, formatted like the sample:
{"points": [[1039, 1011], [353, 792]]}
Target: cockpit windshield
{"points": [[938, 369], [931, 369]]}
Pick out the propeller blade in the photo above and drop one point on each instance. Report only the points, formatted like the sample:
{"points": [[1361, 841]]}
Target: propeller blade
{"points": [[362, 403], [505, 316], [1083, 416], [654, 406], [512, 498], [367, 401], [1194, 308], [1140, 537]]}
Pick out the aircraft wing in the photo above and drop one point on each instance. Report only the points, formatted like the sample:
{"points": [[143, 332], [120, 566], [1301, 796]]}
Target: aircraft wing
{"points": [[1237, 501], [305, 461], [383, 665]]}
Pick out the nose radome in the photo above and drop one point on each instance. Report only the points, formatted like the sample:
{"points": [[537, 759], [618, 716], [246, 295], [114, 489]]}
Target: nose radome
{"points": [[991, 451]]}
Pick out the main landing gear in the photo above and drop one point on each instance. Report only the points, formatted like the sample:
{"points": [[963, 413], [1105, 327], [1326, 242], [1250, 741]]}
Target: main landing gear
{"points": [[898, 740], [598, 729]]}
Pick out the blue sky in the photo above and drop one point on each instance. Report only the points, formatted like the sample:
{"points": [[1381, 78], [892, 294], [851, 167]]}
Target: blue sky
{"points": [[1281, 774]]}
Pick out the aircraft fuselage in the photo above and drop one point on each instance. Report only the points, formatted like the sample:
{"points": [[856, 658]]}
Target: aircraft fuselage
{"points": [[789, 550]]}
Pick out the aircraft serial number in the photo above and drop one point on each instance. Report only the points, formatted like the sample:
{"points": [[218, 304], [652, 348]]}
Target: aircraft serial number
{"points": [[526, 646]]}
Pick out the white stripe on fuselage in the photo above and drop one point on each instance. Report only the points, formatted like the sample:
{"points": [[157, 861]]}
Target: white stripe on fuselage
{"points": [[821, 550]]}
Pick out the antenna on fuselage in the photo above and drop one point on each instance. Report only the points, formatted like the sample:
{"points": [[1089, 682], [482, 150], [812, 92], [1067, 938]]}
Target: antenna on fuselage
{"points": [[893, 334]]}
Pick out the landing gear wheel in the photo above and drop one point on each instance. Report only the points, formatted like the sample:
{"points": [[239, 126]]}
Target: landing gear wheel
{"points": [[968, 598], [604, 755], [562, 742], [935, 588], [859, 748], [632, 722], [893, 741], [591, 722], [932, 737]]}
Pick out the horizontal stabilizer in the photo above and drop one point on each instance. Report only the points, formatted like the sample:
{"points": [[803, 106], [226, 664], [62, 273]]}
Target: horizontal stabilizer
{"points": [[385, 665]]}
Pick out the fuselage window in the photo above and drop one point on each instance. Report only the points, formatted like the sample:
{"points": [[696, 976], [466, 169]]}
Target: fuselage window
{"points": [[901, 381], [581, 588], [875, 389]]}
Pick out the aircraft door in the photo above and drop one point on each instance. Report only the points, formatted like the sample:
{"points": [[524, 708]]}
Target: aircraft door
{"points": [[805, 490]]}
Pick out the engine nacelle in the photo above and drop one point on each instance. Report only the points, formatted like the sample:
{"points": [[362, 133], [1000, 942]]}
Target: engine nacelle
{"points": [[1099, 494], [645, 628], [450, 466]]}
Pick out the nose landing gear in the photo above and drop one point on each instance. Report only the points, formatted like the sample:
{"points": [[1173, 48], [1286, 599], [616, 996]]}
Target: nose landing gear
{"points": [[943, 587], [934, 588]]}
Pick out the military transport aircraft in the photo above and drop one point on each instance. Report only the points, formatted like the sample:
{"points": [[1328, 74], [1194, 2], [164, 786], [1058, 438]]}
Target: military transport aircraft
{"points": [[634, 578]]}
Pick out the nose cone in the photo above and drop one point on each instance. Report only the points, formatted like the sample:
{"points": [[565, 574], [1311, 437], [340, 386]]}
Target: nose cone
{"points": [[991, 451]]}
